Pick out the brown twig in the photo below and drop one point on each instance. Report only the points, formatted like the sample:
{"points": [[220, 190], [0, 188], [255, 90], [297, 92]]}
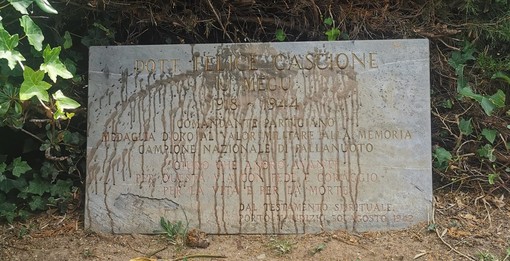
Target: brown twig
{"points": [[219, 20], [199, 256]]}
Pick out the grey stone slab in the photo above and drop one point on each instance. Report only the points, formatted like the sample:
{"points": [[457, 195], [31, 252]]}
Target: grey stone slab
{"points": [[259, 137]]}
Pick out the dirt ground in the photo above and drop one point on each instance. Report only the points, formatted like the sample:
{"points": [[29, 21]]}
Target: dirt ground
{"points": [[465, 226]]}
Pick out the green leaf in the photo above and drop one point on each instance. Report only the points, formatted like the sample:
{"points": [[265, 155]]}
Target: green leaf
{"points": [[442, 157], [38, 187], [68, 40], [465, 126], [48, 170], [62, 188], [63, 102], [3, 167], [487, 152], [487, 106], [490, 135], [280, 35], [501, 76], [4, 107], [492, 177], [19, 167], [448, 104], [333, 34], [33, 85], [72, 137], [7, 44], [37, 203], [46, 6], [52, 64], [33, 32], [21, 5], [432, 227], [467, 92], [328, 21], [8, 211], [17, 107], [498, 99], [8, 184]]}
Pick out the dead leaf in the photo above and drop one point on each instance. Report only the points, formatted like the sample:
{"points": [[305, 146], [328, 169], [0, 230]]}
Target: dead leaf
{"points": [[457, 233], [498, 202], [469, 217], [197, 238], [459, 202]]}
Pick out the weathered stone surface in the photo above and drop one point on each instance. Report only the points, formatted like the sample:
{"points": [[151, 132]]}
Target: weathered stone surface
{"points": [[259, 138]]}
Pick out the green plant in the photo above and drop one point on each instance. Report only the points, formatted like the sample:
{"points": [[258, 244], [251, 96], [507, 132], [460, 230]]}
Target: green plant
{"points": [[491, 178], [432, 227], [441, 157], [280, 35], [490, 135], [318, 249], [281, 246], [487, 151], [465, 126], [332, 33], [486, 256], [21, 188], [174, 231], [32, 101], [88, 253], [458, 61]]}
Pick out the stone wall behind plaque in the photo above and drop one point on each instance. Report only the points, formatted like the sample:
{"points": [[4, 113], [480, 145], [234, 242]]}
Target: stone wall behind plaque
{"points": [[260, 137]]}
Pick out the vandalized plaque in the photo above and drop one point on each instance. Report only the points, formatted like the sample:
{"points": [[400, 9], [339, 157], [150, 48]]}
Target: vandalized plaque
{"points": [[259, 137]]}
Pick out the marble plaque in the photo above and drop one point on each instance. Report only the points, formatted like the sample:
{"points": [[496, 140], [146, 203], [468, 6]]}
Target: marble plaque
{"points": [[268, 138]]}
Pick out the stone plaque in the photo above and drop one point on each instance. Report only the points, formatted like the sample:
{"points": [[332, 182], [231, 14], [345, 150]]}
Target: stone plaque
{"points": [[259, 137]]}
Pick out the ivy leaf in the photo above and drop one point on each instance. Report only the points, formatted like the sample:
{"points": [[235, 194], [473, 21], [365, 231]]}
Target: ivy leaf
{"points": [[468, 92], [48, 170], [8, 211], [19, 167], [465, 126], [487, 152], [68, 41], [487, 105], [333, 34], [37, 203], [498, 99], [7, 44], [3, 167], [442, 157], [52, 64], [38, 187], [33, 32], [280, 35], [46, 6], [9, 184], [492, 178], [501, 76], [33, 85], [490, 135], [328, 21], [63, 102], [61, 188], [21, 5]]}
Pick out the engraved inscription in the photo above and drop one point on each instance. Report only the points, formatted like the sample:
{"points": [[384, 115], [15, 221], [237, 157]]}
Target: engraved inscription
{"points": [[259, 138]]}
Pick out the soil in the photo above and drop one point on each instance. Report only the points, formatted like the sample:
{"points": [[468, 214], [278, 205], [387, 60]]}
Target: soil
{"points": [[464, 226]]}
